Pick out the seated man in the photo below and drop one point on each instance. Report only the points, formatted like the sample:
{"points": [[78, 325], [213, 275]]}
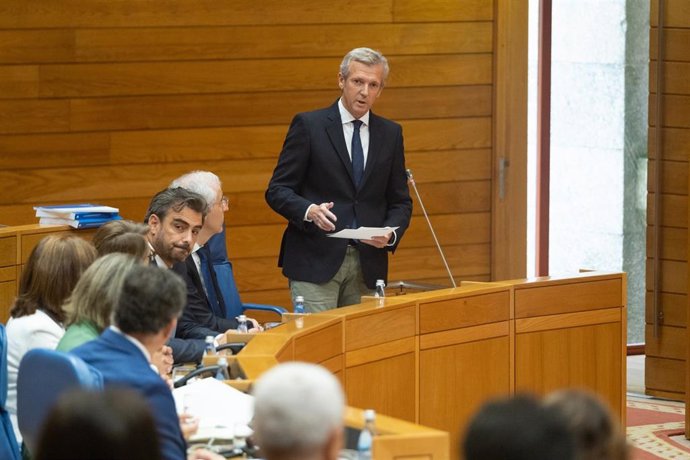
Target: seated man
{"points": [[298, 413], [146, 314], [205, 306], [175, 217]]}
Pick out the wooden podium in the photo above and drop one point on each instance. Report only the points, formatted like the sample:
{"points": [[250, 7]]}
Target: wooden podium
{"points": [[433, 358]]}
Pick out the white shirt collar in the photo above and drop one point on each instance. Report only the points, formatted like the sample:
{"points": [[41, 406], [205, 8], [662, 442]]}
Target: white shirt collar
{"points": [[346, 117]]}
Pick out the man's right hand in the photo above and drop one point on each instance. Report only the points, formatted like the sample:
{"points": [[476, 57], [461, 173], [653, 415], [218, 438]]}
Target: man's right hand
{"points": [[322, 217]]}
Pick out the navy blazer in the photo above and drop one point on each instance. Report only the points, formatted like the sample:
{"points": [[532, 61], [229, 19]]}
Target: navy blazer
{"points": [[197, 320], [124, 365], [314, 167]]}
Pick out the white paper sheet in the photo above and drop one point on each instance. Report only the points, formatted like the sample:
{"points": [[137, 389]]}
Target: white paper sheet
{"points": [[220, 408], [362, 233]]}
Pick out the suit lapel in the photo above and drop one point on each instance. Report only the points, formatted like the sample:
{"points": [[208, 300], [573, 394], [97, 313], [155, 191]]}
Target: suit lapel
{"points": [[334, 129], [196, 279]]}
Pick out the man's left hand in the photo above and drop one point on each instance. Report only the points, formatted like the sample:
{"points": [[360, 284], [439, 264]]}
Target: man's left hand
{"points": [[378, 241]]}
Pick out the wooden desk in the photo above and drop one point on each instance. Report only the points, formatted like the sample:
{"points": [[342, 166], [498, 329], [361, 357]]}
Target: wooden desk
{"points": [[433, 358]]}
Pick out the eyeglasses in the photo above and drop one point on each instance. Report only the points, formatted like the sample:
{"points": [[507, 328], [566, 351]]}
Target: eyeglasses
{"points": [[225, 203]]}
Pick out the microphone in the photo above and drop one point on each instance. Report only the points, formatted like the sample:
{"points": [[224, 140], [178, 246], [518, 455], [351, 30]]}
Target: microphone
{"points": [[426, 216]]}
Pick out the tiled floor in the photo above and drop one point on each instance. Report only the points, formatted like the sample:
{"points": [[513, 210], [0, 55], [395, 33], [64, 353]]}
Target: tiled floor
{"points": [[636, 386]]}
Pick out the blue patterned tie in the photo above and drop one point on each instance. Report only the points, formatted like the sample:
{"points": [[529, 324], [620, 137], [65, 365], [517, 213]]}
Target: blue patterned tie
{"points": [[357, 153]]}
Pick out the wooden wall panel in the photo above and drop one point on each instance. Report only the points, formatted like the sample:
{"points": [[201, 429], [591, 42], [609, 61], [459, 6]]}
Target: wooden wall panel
{"points": [[585, 365], [664, 373], [186, 43], [443, 387], [20, 14], [108, 101]]}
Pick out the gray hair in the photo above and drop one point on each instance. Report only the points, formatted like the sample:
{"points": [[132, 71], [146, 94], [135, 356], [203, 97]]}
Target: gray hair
{"points": [[205, 183], [297, 406], [366, 56]]}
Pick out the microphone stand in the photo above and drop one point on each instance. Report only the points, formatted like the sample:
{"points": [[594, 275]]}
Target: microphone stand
{"points": [[426, 216]]}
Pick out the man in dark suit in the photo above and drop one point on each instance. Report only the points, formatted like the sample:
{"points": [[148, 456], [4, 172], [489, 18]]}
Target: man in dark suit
{"points": [[205, 309], [146, 314], [175, 217], [341, 167]]}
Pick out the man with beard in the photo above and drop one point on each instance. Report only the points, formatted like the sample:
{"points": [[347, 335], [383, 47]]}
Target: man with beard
{"points": [[175, 218]]}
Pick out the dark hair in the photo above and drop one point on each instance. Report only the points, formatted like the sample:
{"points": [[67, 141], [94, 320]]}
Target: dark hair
{"points": [[122, 236], [597, 436], [151, 297], [518, 428], [176, 198], [53, 269], [115, 424]]}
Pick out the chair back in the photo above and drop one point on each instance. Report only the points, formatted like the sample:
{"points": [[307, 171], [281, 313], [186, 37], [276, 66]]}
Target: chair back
{"points": [[8, 443], [43, 376], [226, 279]]}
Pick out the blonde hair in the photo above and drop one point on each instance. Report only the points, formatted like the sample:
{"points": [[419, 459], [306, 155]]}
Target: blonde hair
{"points": [[98, 291]]}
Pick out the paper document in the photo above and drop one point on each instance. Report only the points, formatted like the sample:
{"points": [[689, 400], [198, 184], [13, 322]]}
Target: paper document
{"points": [[362, 233], [221, 408]]}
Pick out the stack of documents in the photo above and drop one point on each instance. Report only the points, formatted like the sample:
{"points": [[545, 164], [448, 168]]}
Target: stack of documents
{"points": [[221, 409], [77, 215]]}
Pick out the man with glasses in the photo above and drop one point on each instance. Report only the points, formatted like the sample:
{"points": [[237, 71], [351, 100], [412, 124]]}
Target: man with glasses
{"points": [[205, 306]]}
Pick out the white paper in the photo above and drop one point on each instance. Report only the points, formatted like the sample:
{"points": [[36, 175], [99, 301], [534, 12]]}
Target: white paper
{"points": [[362, 233], [221, 409]]}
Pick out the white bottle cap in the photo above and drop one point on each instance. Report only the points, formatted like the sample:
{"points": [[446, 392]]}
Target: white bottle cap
{"points": [[299, 299], [369, 415]]}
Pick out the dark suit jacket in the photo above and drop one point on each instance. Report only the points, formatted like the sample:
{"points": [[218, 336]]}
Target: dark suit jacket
{"points": [[197, 320], [315, 167], [124, 365], [186, 351]]}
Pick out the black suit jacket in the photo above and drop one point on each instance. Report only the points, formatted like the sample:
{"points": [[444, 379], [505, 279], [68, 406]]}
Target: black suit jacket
{"points": [[197, 320], [185, 351], [315, 167]]}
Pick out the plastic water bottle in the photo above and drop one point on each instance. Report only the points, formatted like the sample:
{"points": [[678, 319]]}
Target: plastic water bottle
{"points": [[222, 373], [366, 436], [380, 292], [299, 305], [210, 349], [242, 326]]}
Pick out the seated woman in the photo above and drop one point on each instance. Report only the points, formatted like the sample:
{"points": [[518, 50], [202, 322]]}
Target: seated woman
{"points": [[36, 318], [122, 236], [90, 306]]}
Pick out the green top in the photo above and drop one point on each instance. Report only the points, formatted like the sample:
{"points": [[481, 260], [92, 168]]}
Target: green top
{"points": [[78, 334]]}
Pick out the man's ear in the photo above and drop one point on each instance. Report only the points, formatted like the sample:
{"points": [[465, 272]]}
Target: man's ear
{"points": [[341, 81], [334, 444], [169, 330], [154, 223]]}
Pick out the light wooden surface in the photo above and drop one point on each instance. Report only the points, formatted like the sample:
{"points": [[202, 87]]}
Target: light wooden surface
{"points": [[434, 357]]}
